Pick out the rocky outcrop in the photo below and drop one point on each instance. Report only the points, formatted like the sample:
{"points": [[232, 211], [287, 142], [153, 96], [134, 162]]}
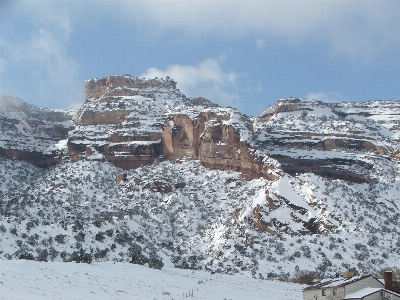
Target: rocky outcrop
{"points": [[36, 158], [119, 123], [121, 177], [31, 134], [214, 143], [104, 117], [334, 168], [117, 86], [132, 122]]}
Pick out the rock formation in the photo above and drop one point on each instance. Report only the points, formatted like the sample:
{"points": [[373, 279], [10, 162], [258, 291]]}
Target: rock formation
{"points": [[31, 134], [132, 122]]}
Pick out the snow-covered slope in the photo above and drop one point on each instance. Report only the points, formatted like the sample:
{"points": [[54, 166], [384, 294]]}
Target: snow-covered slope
{"points": [[32, 134], [201, 219], [323, 196], [341, 141], [48, 281]]}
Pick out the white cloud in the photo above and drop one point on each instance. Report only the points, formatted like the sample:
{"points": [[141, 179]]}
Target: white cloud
{"points": [[41, 51], [355, 28], [207, 79], [49, 65], [326, 97]]}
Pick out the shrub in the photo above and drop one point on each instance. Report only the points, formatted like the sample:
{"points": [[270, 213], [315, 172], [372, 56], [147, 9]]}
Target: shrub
{"points": [[101, 253], [139, 259], [82, 257], [53, 253], [155, 263], [42, 255], [110, 232], [304, 277], [80, 237], [338, 256], [27, 256], [97, 223], [60, 238], [32, 240], [77, 226], [280, 249], [123, 238], [99, 236], [30, 225]]}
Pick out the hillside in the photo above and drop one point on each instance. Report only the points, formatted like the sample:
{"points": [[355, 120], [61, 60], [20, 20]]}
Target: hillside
{"points": [[146, 175], [57, 280]]}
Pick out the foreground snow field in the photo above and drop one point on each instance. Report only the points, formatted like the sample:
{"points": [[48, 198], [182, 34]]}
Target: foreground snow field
{"points": [[55, 280]]}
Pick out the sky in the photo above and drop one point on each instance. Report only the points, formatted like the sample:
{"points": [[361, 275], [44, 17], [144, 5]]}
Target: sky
{"points": [[244, 54]]}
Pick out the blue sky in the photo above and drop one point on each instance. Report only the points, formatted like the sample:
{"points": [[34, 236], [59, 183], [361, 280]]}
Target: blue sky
{"points": [[245, 54]]}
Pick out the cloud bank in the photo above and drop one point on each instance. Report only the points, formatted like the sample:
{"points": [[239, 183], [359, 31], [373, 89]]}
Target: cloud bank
{"points": [[354, 28], [206, 79]]}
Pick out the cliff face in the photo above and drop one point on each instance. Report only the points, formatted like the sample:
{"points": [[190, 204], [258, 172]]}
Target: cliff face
{"points": [[214, 143], [131, 122], [31, 134], [333, 140], [118, 86]]}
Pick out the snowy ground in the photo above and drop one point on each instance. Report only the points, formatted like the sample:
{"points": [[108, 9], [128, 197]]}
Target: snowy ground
{"points": [[55, 280]]}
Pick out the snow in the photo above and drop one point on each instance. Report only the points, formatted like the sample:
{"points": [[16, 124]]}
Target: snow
{"points": [[54, 280], [210, 222], [285, 189], [362, 293]]}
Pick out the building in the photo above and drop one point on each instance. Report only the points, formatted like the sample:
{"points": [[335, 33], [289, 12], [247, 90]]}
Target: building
{"points": [[337, 289]]}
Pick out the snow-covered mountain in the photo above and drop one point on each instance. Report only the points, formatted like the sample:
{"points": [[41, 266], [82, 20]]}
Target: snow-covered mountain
{"points": [[146, 175]]}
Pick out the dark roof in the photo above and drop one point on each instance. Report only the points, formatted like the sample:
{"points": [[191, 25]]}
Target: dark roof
{"points": [[339, 282]]}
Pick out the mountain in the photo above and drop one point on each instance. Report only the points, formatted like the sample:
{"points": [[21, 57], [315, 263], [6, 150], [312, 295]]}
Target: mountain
{"points": [[143, 174], [32, 134]]}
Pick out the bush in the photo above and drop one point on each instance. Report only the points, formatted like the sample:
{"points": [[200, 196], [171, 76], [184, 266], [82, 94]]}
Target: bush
{"points": [[53, 253], [77, 226], [110, 232], [99, 236], [80, 237], [27, 256], [280, 249], [338, 256], [32, 240], [101, 253], [30, 225], [180, 262], [97, 223], [60, 238], [82, 257], [304, 277], [123, 238], [139, 259], [155, 263], [42, 255]]}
